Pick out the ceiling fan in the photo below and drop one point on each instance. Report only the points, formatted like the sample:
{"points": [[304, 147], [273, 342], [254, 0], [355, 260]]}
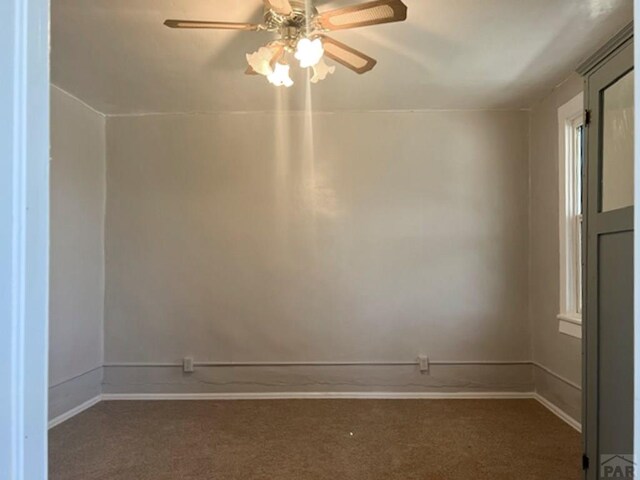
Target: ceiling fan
{"points": [[301, 33]]}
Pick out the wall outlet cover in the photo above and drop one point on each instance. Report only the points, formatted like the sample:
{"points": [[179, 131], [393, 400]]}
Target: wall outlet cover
{"points": [[187, 364], [423, 361]]}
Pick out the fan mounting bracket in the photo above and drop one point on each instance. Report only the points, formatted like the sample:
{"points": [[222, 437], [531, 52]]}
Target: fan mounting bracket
{"points": [[302, 19]]}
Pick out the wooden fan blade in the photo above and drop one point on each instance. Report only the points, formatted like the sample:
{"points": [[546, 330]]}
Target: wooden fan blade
{"points": [[363, 15], [250, 71], [214, 25], [281, 7], [347, 56]]}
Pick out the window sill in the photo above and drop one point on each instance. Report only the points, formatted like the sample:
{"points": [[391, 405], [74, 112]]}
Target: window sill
{"points": [[570, 324]]}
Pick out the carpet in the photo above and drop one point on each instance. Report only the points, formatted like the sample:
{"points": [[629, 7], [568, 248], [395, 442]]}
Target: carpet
{"points": [[315, 440]]}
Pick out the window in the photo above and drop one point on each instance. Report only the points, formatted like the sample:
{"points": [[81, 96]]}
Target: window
{"points": [[571, 161]]}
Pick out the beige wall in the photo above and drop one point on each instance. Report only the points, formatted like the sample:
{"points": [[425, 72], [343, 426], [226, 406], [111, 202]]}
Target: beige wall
{"points": [[555, 351], [244, 237], [77, 251], [351, 236]]}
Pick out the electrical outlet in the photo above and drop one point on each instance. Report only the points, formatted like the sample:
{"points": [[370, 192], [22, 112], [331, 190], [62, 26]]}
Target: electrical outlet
{"points": [[187, 364], [423, 362]]}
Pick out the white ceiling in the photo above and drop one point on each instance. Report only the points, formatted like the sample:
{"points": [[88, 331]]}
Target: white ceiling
{"points": [[116, 55]]}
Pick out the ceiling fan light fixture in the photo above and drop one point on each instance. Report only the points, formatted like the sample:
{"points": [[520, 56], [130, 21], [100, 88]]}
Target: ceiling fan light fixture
{"points": [[301, 32], [321, 71], [260, 61], [309, 52], [280, 76]]}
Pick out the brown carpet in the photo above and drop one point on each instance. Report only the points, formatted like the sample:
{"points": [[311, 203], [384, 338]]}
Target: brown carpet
{"points": [[315, 440]]}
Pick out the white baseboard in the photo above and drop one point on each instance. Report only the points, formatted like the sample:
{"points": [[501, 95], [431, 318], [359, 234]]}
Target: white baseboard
{"points": [[319, 395], [74, 411], [558, 412]]}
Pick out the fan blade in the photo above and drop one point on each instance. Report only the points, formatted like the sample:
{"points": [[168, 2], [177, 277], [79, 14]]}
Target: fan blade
{"points": [[250, 71], [347, 56], [363, 15], [215, 25], [281, 7]]}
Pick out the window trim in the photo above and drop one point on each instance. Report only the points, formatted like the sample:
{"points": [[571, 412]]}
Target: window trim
{"points": [[570, 116]]}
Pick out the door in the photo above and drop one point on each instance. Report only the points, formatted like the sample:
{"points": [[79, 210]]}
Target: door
{"points": [[608, 202]]}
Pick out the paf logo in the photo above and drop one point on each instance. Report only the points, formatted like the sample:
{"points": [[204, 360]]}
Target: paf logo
{"points": [[617, 466]]}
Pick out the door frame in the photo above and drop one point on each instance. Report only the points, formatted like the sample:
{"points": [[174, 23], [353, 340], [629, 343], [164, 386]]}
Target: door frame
{"points": [[24, 238], [636, 250]]}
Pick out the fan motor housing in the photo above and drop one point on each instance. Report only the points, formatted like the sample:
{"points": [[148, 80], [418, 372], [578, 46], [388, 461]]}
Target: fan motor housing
{"points": [[299, 19], [301, 6]]}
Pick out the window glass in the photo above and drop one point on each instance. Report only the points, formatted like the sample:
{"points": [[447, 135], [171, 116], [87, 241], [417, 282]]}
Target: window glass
{"points": [[617, 144]]}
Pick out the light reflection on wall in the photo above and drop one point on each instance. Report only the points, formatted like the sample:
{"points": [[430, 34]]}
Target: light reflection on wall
{"points": [[601, 7]]}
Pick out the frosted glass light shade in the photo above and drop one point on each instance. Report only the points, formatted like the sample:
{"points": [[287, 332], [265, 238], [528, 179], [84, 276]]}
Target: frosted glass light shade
{"points": [[280, 76], [260, 61], [309, 52], [321, 71]]}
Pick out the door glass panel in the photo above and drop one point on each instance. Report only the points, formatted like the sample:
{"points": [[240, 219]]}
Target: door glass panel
{"points": [[617, 144]]}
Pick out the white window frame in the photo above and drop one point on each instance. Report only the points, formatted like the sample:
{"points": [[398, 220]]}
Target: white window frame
{"points": [[570, 117]]}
